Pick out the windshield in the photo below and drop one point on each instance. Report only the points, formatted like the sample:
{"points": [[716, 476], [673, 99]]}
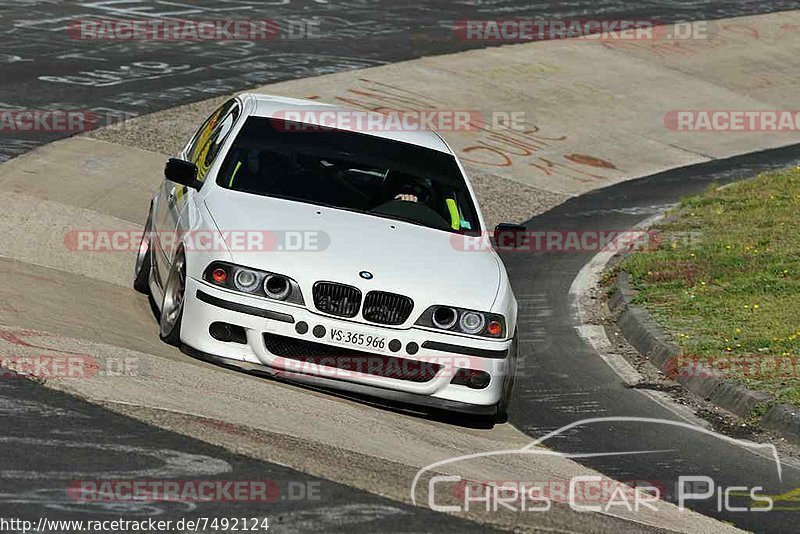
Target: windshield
{"points": [[350, 171]]}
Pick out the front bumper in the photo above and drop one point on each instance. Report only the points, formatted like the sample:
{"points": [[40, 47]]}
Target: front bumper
{"points": [[205, 304]]}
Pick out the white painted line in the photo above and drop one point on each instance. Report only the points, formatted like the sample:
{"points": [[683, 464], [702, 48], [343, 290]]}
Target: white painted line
{"points": [[595, 335], [589, 276], [684, 412]]}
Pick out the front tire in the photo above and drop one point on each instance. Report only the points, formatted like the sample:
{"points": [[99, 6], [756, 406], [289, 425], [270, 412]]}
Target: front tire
{"points": [[508, 383], [141, 270], [172, 305]]}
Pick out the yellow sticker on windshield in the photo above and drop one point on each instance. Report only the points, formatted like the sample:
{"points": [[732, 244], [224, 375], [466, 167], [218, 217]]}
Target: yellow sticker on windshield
{"points": [[233, 175], [455, 217]]}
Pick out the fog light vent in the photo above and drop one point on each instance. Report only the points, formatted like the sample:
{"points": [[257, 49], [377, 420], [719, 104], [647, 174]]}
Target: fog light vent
{"points": [[228, 333], [471, 378]]}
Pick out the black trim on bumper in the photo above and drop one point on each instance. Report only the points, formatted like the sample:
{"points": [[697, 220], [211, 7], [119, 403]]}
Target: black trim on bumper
{"points": [[343, 388], [469, 351], [244, 308]]}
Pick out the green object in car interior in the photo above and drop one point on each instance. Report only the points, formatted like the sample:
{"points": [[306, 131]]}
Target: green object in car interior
{"points": [[233, 174], [455, 216]]}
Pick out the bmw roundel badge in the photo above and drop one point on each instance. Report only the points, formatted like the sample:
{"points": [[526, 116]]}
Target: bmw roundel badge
{"points": [[366, 275]]}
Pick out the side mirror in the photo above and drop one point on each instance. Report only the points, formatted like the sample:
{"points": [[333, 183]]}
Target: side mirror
{"points": [[509, 236], [182, 172]]}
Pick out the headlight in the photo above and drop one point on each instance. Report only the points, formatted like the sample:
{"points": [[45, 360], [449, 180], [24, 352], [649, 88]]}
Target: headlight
{"points": [[246, 280], [259, 283], [444, 317], [471, 322], [461, 321], [277, 286]]}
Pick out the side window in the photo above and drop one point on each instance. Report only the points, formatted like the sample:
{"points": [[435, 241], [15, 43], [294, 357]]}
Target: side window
{"points": [[208, 140]]}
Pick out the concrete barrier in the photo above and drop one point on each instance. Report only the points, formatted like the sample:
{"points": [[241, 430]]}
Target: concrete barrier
{"points": [[593, 112]]}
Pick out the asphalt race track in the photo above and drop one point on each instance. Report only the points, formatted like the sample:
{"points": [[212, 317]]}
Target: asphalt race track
{"points": [[43, 67], [562, 379], [50, 439]]}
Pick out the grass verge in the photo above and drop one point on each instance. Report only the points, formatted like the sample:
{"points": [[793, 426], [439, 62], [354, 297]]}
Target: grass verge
{"points": [[724, 280]]}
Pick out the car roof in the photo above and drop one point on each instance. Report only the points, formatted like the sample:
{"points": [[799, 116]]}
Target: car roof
{"points": [[274, 106]]}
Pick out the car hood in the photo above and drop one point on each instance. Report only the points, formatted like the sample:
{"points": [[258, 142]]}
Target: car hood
{"points": [[338, 245]]}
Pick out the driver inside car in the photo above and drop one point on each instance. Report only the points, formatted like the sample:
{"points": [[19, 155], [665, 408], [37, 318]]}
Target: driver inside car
{"points": [[402, 187], [407, 196]]}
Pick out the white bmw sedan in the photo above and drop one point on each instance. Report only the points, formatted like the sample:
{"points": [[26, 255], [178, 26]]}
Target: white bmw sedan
{"points": [[345, 259]]}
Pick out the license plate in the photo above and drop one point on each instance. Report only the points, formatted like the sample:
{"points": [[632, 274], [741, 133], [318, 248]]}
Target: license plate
{"points": [[357, 339]]}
